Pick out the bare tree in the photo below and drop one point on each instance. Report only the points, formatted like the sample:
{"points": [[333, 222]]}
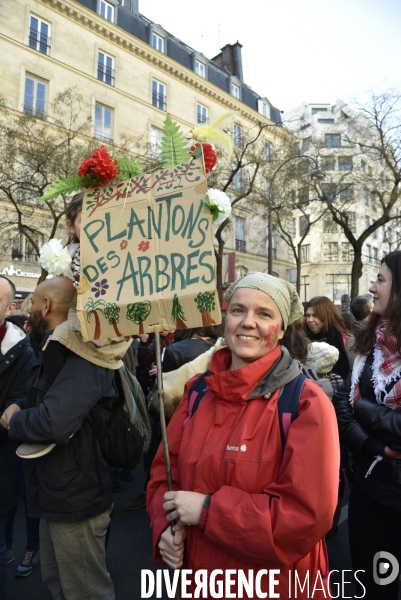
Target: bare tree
{"points": [[309, 213], [244, 179], [34, 151], [373, 129]]}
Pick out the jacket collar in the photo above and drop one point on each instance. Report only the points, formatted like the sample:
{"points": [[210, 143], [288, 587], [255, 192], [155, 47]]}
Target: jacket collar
{"points": [[260, 378], [13, 335]]}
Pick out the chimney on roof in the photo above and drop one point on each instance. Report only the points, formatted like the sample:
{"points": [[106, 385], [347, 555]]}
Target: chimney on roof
{"points": [[230, 57]]}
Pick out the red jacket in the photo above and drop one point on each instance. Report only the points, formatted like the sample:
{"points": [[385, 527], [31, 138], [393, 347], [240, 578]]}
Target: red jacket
{"points": [[268, 509]]}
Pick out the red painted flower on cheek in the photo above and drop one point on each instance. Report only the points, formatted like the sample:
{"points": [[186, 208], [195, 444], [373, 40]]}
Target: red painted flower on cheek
{"points": [[272, 336]]}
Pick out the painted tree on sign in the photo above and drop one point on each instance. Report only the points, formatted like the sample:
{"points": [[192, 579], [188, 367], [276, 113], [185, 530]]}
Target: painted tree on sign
{"points": [[139, 312], [205, 301], [178, 314], [92, 307], [112, 314]]}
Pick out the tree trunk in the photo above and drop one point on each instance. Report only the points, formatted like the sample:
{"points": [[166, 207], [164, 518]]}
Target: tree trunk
{"points": [[219, 254], [298, 259], [356, 272], [97, 326], [219, 274], [115, 327], [180, 325], [207, 320], [141, 330], [43, 276]]}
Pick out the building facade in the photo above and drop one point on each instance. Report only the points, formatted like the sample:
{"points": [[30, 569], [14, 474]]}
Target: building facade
{"points": [[354, 182], [130, 72]]}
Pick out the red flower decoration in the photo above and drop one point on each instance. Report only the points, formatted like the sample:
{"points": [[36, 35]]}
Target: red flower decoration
{"points": [[209, 155], [85, 166], [123, 244], [101, 165], [143, 246]]}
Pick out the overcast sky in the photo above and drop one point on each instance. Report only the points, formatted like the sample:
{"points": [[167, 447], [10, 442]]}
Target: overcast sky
{"points": [[295, 50]]}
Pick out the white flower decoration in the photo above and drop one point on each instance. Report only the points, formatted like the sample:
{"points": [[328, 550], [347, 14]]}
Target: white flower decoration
{"points": [[54, 258], [219, 204]]}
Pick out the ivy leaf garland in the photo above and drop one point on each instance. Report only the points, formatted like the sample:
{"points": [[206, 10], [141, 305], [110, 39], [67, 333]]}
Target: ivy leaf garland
{"points": [[68, 185], [100, 170], [174, 150], [129, 168]]}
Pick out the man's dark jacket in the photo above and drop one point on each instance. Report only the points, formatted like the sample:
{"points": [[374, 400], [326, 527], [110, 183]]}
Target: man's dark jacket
{"points": [[15, 367], [72, 482], [183, 352]]}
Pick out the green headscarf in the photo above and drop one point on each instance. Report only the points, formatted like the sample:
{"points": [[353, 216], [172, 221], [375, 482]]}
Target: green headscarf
{"points": [[281, 292]]}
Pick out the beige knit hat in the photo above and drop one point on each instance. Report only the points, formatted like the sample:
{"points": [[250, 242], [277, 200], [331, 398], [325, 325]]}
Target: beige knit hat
{"points": [[322, 357], [281, 292]]}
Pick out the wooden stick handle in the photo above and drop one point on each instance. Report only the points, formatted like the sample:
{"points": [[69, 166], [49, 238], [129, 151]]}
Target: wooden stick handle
{"points": [[161, 411], [163, 428]]}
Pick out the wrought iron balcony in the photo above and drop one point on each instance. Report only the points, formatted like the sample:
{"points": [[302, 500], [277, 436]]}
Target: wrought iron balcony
{"points": [[38, 41], [106, 75], [159, 101], [240, 245]]}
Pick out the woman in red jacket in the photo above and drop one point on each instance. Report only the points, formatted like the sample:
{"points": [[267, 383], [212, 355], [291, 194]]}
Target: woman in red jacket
{"points": [[241, 500]]}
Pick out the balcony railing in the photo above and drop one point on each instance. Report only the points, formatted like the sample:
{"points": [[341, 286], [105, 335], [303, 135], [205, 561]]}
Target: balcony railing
{"points": [[106, 75], [201, 119], [159, 101], [38, 41], [240, 245], [34, 111], [102, 138], [155, 152]]}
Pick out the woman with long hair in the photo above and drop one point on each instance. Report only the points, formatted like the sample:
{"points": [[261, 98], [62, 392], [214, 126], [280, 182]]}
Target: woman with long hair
{"points": [[369, 415], [323, 323], [243, 500]]}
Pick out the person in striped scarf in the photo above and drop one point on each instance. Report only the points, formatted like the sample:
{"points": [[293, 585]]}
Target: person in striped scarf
{"points": [[368, 408]]}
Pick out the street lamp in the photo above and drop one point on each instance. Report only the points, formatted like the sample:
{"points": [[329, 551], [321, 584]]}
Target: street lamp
{"points": [[317, 174]]}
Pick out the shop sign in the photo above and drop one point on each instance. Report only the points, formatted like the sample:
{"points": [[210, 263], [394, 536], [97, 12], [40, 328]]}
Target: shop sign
{"points": [[18, 273]]}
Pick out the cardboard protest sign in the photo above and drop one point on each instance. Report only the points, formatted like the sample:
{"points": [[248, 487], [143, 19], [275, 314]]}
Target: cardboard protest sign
{"points": [[147, 257]]}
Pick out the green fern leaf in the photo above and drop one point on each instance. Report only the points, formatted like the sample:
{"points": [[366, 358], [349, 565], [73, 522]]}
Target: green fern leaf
{"points": [[174, 150], [68, 185], [129, 168]]}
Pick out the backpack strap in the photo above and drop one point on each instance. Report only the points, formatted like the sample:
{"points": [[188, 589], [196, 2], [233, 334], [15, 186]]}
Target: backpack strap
{"points": [[310, 373], [288, 404], [195, 395]]}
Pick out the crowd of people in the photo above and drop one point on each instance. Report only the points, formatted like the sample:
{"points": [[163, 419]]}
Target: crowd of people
{"points": [[265, 416]]}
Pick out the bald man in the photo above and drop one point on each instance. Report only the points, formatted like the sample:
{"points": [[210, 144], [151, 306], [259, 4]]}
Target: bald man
{"points": [[16, 361], [69, 488]]}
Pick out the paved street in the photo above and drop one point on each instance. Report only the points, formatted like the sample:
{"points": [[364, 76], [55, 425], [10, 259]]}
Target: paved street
{"points": [[129, 550]]}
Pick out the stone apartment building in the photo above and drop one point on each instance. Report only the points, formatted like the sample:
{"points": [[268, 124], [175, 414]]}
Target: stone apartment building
{"points": [[352, 179], [130, 72]]}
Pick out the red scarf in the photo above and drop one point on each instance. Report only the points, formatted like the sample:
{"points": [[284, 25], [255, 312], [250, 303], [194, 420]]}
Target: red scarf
{"points": [[3, 329]]}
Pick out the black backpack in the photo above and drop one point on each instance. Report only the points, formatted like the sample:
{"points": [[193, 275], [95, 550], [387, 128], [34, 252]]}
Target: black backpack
{"points": [[288, 402], [126, 436]]}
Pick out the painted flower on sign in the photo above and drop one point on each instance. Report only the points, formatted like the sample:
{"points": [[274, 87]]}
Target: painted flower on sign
{"points": [[100, 288], [143, 246], [123, 244]]}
